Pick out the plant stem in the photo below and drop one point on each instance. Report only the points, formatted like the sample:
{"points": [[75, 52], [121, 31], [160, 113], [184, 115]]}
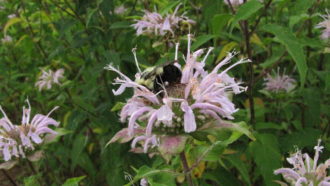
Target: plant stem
{"points": [[9, 178], [34, 171], [245, 28], [186, 169], [31, 167]]}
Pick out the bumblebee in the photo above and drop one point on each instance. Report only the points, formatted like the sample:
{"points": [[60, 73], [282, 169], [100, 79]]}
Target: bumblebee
{"points": [[158, 77]]}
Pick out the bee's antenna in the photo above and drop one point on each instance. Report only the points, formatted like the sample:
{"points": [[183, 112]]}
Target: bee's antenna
{"points": [[136, 61]]}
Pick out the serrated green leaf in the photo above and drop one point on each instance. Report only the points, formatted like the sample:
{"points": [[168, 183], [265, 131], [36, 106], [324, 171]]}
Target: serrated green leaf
{"points": [[292, 44]]}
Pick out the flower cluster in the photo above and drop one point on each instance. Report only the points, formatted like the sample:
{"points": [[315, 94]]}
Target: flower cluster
{"points": [[178, 108], [306, 171], [11, 16], [155, 24], [120, 10], [17, 140], [48, 78], [325, 24], [279, 82]]}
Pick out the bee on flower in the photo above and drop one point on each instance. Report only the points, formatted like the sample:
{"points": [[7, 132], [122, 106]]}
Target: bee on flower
{"points": [[306, 171], [16, 141], [48, 78], [172, 101], [153, 23]]}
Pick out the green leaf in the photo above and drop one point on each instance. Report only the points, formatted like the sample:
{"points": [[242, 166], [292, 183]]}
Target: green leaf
{"points": [[218, 22], [90, 16], [78, 146], [121, 25], [246, 10], [201, 40], [118, 106], [312, 100], [277, 53], [301, 6], [240, 166], [31, 180], [222, 176], [304, 138], [227, 48], [327, 82], [296, 19], [145, 172], [169, 7], [268, 125], [292, 44], [10, 23], [266, 154], [73, 181]]}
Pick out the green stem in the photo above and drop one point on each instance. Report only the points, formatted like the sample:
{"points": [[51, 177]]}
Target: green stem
{"points": [[34, 171], [186, 169]]}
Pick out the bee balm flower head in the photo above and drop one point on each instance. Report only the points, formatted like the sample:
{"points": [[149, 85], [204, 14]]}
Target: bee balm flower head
{"points": [[325, 25], [183, 102], [17, 140], [306, 171], [48, 78], [279, 82], [153, 23]]}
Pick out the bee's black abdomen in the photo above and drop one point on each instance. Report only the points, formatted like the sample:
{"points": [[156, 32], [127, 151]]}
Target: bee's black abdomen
{"points": [[170, 75]]}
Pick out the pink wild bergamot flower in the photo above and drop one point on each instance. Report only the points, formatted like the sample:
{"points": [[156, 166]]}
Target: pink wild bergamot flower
{"points": [[306, 171], [48, 78], [325, 24], [17, 140], [178, 108], [156, 24], [279, 82]]}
